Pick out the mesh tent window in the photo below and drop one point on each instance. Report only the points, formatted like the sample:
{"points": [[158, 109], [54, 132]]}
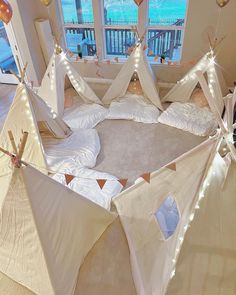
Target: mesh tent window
{"points": [[167, 216]]}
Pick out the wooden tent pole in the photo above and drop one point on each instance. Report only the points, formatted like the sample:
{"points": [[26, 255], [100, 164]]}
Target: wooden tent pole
{"points": [[5, 152], [13, 144], [19, 66], [22, 145], [16, 159]]}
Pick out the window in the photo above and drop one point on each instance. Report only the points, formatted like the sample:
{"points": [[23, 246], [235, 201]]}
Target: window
{"points": [[163, 21], [119, 17], [166, 24], [168, 217], [79, 26]]}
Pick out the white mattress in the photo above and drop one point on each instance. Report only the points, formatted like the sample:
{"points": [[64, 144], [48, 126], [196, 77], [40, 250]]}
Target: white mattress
{"points": [[86, 185], [84, 116], [189, 117], [133, 107], [81, 147]]}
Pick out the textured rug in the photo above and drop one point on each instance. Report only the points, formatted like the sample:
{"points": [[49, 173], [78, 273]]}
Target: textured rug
{"points": [[130, 149]]}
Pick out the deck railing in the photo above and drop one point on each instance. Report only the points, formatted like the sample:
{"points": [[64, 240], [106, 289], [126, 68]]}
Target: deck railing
{"points": [[161, 41]]}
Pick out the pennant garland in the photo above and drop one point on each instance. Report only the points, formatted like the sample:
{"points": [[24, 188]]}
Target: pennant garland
{"points": [[116, 59], [146, 177], [145, 47], [101, 182], [123, 182], [69, 178], [130, 50], [156, 57], [97, 63], [99, 75], [85, 61], [171, 166]]}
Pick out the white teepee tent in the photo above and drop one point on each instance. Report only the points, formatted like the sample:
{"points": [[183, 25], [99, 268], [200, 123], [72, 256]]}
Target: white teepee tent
{"points": [[34, 116], [136, 62], [184, 88], [156, 219], [207, 261], [156, 216], [53, 83], [46, 230], [152, 248]]}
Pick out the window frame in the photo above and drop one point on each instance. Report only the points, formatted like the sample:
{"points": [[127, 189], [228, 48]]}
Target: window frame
{"points": [[99, 27]]}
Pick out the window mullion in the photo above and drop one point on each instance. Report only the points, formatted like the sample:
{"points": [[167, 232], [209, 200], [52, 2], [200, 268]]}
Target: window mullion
{"points": [[98, 27], [143, 18]]}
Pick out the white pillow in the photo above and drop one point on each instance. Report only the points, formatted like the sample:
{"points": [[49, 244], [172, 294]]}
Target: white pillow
{"points": [[189, 117], [133, 107], [85, 116]]}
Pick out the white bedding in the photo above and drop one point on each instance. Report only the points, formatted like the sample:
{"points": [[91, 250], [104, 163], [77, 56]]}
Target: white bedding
{"points": [[82, 147], [189, 117], [84, 116], [133, 107], [86, 185]]}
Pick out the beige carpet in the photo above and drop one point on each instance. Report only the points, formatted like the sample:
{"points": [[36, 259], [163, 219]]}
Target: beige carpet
{"points": [[129, 149]]}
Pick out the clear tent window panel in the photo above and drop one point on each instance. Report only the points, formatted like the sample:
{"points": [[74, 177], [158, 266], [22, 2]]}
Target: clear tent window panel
{"points": [[77, 11], [120, 12], [168, 217], [167, 12]]}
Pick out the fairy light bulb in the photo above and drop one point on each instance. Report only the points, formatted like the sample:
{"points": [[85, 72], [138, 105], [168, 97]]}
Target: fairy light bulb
{"points": [[172, 274], [191, 217]]}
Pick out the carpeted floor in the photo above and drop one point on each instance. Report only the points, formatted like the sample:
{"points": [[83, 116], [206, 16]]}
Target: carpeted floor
{"points": [[129, 149]]}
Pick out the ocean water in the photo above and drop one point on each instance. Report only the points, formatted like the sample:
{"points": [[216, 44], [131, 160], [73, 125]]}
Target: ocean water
{"points": [[161, 12]]}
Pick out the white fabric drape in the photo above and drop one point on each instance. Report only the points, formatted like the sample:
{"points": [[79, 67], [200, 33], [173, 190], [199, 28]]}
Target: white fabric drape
{"points": [[136, 62]]}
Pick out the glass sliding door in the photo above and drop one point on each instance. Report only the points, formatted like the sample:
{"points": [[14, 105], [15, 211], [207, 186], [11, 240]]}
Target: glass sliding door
{"points": [[7, 60]]}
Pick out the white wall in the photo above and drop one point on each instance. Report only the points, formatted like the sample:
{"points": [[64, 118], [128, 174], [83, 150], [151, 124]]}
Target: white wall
{"points": [[24, 14]]}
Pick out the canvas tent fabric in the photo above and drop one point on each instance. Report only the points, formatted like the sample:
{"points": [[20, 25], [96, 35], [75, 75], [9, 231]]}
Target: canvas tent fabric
{"points": [[156, 239], [207, 261], [39, 246], [184, 88], [28, 113], [53, 84], [151, 254], [136, 62]]}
